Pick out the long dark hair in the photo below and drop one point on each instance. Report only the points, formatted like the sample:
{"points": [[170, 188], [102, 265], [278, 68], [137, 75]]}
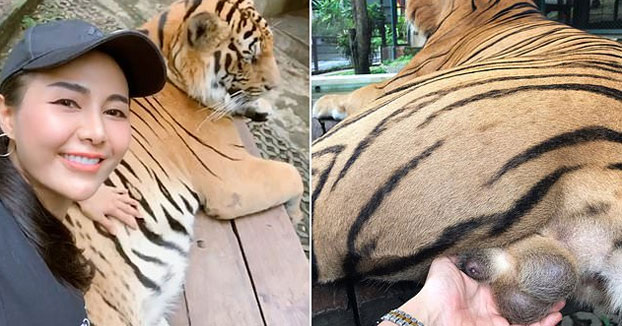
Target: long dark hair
{"points": [[51, 238]]}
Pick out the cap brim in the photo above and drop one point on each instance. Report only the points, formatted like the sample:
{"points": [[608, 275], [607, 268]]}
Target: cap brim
{"points": [[137, 56]]}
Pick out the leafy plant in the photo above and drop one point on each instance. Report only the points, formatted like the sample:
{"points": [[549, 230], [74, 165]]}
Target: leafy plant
{"points": [[28, 22], [334, 18]]}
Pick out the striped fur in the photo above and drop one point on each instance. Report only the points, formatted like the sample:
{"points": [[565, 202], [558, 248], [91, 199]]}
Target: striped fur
{"points": [[220, 53], [179, 162], [465, 37], [505, 131]]}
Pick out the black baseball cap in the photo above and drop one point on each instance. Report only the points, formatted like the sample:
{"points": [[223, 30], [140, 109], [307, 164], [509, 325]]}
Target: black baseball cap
{"points": [[55, 43]]}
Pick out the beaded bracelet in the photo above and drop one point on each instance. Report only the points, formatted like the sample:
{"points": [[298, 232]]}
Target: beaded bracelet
{"points": [[401, 318]]}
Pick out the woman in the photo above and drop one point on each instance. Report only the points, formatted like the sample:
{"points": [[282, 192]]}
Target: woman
{"points": [[64, 114]]}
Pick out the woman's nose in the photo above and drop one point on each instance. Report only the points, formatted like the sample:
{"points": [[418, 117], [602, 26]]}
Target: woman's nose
{"points": [[92, 128]]}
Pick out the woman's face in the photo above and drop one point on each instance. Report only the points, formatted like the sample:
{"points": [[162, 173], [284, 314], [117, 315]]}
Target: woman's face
{"points": [[72, 127]]}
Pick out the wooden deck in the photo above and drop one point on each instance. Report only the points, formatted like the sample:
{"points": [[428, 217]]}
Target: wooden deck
{"points": [[249, 271], [358, 304]]}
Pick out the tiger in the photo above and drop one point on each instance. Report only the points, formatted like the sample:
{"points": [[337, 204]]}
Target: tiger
{"points": [[433, 57], [181, 161], [506, 155], [238, 75]]}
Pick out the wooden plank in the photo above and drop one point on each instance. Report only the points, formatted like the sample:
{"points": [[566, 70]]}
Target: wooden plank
{"points": [[278, 265], [180, 314], [218, 289], [331, 307]]}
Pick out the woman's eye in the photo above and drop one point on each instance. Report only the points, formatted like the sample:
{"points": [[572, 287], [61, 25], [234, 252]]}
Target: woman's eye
{"points": [[116, 113], [67, 102]]}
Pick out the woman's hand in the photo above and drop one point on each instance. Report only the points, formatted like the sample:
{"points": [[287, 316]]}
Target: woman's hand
{"points": [[449, 298], [109, 202]]}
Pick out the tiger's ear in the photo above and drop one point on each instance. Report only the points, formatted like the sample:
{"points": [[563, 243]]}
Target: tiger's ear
{"points": [[426, 15], [205, 31]]}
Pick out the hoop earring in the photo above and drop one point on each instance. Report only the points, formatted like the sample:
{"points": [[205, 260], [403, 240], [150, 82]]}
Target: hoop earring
{"points": [[10, 152]]}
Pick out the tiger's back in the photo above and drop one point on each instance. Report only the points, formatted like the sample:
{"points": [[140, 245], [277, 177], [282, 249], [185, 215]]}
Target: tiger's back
{"points": [[460, 33]]}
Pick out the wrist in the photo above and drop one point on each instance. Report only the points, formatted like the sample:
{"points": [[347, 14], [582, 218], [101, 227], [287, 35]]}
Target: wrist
{"points": [[421, 309]]}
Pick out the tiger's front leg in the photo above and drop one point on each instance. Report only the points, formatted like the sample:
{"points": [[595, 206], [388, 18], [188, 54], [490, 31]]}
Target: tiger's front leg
{"points": [[254, 185], [526, 278], [258, 110], [340, 106]]}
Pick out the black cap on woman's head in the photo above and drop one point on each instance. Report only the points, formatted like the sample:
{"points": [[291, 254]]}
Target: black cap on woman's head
{"points": [[56, 43]]}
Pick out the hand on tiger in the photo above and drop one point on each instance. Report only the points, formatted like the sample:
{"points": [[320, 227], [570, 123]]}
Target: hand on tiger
{"points": [[450, 297], [109, 202]]}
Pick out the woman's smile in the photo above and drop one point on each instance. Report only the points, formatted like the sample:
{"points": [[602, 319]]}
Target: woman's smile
{"points": [[84, 162]]}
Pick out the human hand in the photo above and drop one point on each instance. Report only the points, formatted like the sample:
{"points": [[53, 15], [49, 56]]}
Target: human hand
{"points": [[109, 202], [449, 297]]}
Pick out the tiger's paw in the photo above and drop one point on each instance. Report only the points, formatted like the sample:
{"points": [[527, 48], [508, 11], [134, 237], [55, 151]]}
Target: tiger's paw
{"points": [[258, 110], [329, 107]]}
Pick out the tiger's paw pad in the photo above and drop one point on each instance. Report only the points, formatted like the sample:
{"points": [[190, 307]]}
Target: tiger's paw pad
{"points": [[257, 116]]}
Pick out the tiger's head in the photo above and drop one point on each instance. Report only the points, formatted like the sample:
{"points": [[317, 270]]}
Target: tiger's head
{"points": [[429, 15], [220, 52]]}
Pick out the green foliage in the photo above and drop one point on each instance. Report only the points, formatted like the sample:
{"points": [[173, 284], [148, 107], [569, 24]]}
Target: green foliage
{"points": [[375, 14], [334, 18], [401, 29], [372, 70], [399, 61], [331, 17], [28, 22]]}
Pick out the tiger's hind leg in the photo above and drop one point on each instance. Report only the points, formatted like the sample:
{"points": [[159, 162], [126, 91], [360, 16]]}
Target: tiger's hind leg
{"points": [[526, 278]]}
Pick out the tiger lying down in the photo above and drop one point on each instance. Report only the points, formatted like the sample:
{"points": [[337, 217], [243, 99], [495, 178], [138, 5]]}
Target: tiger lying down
{"points": [[181, 160], [501, 142]]}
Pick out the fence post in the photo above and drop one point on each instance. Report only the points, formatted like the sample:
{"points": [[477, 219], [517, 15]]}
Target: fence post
{"points": [[581, 13], [316, 65], [394, 28]]}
